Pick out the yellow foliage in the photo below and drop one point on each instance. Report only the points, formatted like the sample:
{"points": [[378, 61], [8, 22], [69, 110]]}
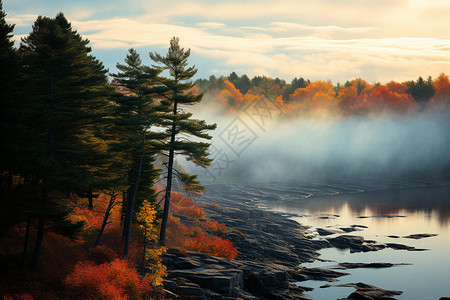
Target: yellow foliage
{"points": [[146, 218]]}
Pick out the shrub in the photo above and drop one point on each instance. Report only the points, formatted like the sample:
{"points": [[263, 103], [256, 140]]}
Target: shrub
{"points": [[214, 226], [213, 245], [114, 280]]}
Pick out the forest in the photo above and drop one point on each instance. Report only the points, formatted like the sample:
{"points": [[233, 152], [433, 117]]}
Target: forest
{"points": [[303, 97], [92, 193]]}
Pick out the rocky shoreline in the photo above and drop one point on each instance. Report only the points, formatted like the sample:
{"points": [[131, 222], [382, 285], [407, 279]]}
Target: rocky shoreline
{"points": [[271, 249]]}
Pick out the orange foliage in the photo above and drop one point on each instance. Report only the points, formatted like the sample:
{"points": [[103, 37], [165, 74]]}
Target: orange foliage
{"points": [[348, 96], [214, 226], [177, 232], [114, 280], [231, 95], [396, 87], [317, 97], [383, 99], [93, 218], [213, 245], [185, 206], [441, 98], [287, 109]]}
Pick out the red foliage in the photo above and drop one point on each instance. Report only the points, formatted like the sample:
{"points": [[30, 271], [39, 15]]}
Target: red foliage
{"points": [[441, 98], [185, 206], [213, 245], [114, 280], [215, 205], [214, 226], [383, 99], [18, 297], [102, 254]]}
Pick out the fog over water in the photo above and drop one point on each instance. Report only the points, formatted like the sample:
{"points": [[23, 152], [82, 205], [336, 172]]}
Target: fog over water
{"points": [[250, 147]]}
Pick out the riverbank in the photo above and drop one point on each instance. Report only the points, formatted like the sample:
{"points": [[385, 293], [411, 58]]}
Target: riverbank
{"points": [[271, 251]]}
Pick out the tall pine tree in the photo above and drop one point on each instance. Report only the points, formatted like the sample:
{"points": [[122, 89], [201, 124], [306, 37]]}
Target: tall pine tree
{"points": [[180, 126], [68, 91], [136, 114]]}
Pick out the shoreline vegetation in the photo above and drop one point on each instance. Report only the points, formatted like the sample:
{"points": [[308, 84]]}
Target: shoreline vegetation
{"points": [[84, 211]]}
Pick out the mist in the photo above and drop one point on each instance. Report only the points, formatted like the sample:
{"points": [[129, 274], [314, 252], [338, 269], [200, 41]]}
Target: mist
{"points": [[288, 149]]}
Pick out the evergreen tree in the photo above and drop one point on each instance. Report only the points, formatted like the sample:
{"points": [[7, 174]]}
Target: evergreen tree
{"points": [[136, 112], [179, 124], [295, 84], [67, 96], [421, 90], [8, 116]]}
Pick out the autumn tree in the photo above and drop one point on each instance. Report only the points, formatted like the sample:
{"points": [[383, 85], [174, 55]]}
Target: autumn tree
{"points": [[180, 125], [442, 96]]}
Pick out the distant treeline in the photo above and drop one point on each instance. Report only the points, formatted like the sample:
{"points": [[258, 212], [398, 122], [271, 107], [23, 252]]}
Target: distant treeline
{"points": [[354, 97]]}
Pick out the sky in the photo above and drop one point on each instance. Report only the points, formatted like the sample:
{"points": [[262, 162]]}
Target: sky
{"points": [[335, 40]]}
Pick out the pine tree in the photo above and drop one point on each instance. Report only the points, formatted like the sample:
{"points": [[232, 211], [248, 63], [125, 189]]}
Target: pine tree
{"points": [[179, 124], [68, 92], [136, 112], [9, 67]]}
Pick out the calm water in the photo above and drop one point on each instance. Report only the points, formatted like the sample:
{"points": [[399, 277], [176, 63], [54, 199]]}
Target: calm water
{"points": [[421, 206]]}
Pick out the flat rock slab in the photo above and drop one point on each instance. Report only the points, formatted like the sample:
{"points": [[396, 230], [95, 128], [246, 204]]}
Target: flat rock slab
{"points": [[369, 292], [347, 265], [382, 216], [322, 274], [396, 246], [419, 236], [360, 226], [324, 232]]}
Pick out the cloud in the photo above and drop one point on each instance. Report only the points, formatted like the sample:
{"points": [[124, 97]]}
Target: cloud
{"points": [[375, 59], [21, 19], [338, 40], [211, 24]]}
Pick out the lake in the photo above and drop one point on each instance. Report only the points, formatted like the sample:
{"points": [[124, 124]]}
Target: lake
{"points": [[391, 207]]}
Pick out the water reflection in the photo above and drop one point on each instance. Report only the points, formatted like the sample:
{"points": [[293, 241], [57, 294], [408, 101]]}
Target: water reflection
{"points": [[431, 201]]}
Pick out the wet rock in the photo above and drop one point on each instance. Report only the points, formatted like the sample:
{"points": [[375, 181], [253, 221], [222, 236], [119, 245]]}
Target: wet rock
{"points": [[348, 229], [190, 289], [396, 246], [382, 216], [355, 243], [370, 292], [393, 236], [324, 232], [346, 241], [347, 265], [322, 274], [420, 236], [360, 226]]}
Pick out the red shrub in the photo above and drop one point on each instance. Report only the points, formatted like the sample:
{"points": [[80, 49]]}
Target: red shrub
{"points": [[215, 205], [214, 226], [213, 245], [114, 280]]}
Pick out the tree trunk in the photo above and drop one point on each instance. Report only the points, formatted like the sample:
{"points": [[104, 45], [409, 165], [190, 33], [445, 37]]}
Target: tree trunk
{"points": [[129, 220], [123, 209], [162, 234], [90, 196], [38, 246], [129, 192], [143, 255], [51, 152], [27, 238], [112, 199]]}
